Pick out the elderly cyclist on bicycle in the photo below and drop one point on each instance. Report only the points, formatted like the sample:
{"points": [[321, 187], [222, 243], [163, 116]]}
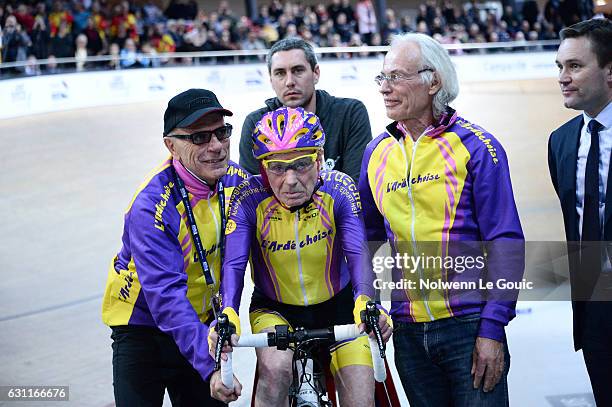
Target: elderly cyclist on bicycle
{"points": [[303, 229]]}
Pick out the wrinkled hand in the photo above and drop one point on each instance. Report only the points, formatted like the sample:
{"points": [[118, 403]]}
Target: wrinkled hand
{"points": [[222, 393], [488, 361], [385, 328]]}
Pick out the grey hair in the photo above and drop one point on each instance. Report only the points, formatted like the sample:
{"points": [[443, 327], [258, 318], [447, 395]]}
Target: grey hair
{"points": [[433, 56], [287, 44]]}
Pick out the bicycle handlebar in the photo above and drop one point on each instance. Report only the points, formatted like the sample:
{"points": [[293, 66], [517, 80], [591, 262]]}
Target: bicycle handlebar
{"points": [[282, 337]]}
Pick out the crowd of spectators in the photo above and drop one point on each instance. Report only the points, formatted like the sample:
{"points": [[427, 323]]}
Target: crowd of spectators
{"points": [[133, 35]]}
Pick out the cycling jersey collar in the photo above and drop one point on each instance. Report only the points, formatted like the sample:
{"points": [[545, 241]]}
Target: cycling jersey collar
{"points": [[447, 119], [194, 184]]}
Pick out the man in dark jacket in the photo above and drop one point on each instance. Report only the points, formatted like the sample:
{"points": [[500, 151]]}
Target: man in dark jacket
{"points": [[294, 71], [579, 163]]}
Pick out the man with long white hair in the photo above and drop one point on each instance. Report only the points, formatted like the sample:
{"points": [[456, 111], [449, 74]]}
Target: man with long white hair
{"points": [[437, 187]]}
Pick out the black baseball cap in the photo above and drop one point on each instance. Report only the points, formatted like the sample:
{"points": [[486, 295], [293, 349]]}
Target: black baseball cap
{"points": [[188, 107]]}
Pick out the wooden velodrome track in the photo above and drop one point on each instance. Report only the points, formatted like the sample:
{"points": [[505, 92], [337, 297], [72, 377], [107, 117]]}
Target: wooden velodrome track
{"points": [[67, 177]]}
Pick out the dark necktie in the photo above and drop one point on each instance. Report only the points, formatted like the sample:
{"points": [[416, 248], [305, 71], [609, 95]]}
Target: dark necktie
{"points": [[591, 230]]}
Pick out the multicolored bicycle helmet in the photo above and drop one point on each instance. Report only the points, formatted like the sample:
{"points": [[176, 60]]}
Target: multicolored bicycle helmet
{"points": [[287, 129]]}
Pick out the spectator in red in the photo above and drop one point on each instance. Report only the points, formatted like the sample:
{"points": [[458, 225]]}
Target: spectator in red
{"points": [[24, 18], [123, 17], [59, 15], [100, 20], [162, 42]]}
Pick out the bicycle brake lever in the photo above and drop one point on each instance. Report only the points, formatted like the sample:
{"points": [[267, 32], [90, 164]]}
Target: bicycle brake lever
{"points": [[370, 318], [225, 331]]}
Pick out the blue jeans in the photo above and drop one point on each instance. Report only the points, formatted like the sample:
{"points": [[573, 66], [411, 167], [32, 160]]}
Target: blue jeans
{"points": [[434, 362]]}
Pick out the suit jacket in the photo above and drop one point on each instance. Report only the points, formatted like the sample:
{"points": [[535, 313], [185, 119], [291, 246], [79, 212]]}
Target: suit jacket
{"points": [[562, 160]]}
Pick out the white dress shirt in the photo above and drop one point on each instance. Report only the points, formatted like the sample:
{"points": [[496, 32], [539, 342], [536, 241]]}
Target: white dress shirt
{"points": [[605, 148]]}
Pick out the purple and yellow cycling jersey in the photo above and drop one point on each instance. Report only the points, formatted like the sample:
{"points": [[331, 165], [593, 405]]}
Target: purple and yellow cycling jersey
{"points": [[451, 185], [156, 279], [300, 257]]}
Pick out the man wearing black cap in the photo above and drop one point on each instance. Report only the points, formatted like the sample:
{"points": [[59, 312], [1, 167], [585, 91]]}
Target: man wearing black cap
{"points": [[158, 298]]}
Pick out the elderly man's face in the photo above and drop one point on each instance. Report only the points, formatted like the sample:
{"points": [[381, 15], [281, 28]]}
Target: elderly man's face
{"points": [[293, 80], [408, 98], [294, 186], [584, 84], [209, 160]]}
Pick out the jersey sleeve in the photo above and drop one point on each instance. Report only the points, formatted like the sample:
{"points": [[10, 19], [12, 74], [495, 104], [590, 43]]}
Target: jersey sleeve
{"points": [[351, 229], [241, 225], [159, 263], [501, 232]]}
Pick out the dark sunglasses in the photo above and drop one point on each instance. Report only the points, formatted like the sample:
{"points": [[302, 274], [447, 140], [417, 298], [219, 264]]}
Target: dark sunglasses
{"points": [[203, 137]]}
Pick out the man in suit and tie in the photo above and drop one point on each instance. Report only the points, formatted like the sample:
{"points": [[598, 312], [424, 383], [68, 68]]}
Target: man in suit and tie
{"points": [[579, 163]]}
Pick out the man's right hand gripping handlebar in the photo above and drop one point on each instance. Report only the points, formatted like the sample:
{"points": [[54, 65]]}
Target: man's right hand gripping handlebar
{"points": [[373, 319], [222, 334], [370, 318]]}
